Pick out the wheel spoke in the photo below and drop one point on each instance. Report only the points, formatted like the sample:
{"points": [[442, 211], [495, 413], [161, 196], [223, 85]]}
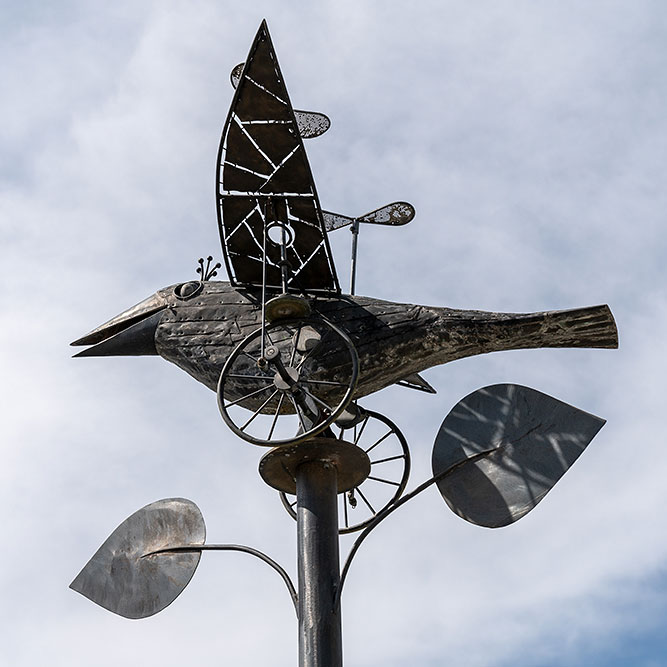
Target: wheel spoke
{"points": [[363, 497], [317, 400], [239, 376], [384, 481], [259, 409], [361, 430], [326, 382], [275, 418], [250, 395], [390, 458], [298, 412], [384, 437], [347, 523]]}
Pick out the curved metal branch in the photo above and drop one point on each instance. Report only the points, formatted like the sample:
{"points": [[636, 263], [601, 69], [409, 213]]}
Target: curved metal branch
{"points": [[381, 516], [239, 547]]}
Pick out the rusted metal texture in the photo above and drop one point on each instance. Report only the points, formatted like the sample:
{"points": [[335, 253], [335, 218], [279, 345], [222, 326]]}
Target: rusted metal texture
{"points": [[264, 178], [393, 340], [505, 447], [119, 578]]}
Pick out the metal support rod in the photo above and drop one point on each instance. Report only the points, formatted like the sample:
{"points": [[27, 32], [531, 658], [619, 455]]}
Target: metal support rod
{"points": [[381, 516], [234, 547], [262, 343], [353, 270], [284, 271], [320, 638]]}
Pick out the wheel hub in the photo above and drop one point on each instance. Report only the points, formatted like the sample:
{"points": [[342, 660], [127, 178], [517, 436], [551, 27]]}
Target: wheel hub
{"points": [[282, 383]]}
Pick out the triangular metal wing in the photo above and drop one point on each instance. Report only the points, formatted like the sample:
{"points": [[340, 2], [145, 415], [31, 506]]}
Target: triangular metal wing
{"points": [[264, 177], [503, 448]]}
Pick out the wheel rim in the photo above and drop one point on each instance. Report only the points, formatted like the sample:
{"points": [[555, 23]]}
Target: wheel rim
{"points": [[304, 369], [382, 440]]}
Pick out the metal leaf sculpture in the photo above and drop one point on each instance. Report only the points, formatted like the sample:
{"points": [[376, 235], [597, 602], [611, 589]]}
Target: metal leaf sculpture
{"points": [[123, 578], [503, 448]]}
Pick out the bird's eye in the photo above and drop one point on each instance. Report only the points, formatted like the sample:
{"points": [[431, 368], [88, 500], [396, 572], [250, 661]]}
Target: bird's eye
{"points": [[188, 290]]}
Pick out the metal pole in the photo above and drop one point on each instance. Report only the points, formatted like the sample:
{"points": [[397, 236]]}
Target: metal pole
{"points": [[320, 639], [353, 269]]}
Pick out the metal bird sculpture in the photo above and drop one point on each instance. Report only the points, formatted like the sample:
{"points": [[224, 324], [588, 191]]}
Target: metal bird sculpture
{"points": [[280, 337], [289, 355]]}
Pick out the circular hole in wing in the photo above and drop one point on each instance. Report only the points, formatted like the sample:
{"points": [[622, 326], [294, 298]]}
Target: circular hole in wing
{"points": [[276, 230]]}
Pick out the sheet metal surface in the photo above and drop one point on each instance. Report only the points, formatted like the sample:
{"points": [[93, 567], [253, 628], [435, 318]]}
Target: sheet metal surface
{"points": [[506, 447], [121, 580], [264, 177]]}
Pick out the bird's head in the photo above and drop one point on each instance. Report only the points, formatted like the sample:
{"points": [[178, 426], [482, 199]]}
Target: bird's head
{"points": [[195, 325], [133, 332]]}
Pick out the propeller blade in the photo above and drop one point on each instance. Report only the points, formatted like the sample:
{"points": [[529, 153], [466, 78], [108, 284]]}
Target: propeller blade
{"points": [[334, 221], [235, 75], [503, 448], [311, 124], [395, 214], [119, 579]]}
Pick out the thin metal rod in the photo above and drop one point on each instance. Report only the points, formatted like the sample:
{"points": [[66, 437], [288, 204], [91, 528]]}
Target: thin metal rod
{"points": [[353, 269], [320, 638], [381, 516], [283, 257], [275, 418], [384, 481], [238, 547], [389, 458], [250, 395], [239, 376], [382, 439], [259, 409], [261, 342]]}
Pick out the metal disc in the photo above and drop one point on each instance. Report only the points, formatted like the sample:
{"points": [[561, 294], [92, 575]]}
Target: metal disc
{"points": [[287, 306], [505, 447], [120, 576], [278, 467]]}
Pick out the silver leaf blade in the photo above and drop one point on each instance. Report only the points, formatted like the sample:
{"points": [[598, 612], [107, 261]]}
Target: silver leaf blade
{"points": [[505, 447], [120, 576]]}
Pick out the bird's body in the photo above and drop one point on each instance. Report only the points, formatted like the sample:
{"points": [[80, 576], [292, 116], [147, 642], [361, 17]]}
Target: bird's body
{"points": [[275, 240], [392, 340]]}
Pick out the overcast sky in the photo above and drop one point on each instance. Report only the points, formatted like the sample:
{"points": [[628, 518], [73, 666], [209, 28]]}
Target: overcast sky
{"points": [[531, 137]]}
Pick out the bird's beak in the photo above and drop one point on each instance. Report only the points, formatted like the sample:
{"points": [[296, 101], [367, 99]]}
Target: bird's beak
{"points": [[132, 333]]}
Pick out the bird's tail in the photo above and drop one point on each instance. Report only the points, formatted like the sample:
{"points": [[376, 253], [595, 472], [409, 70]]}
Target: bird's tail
{"points": [[581, 327]]}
